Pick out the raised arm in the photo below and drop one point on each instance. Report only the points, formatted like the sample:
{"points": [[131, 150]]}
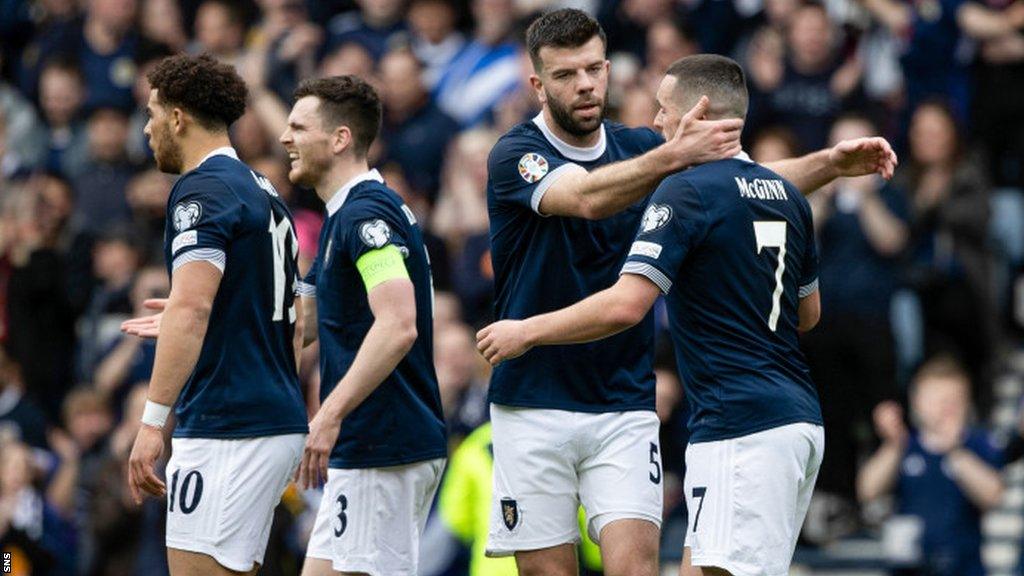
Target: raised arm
{"points": [[182, 330], [879, 473], [614, 187], [980, 481], [608, 312], [856, 157]]}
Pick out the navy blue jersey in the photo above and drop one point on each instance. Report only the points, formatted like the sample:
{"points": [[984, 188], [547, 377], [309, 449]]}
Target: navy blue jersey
{"points": [[401, 421], [244, 384], [543, 264], [950, 542], [732, 244]]}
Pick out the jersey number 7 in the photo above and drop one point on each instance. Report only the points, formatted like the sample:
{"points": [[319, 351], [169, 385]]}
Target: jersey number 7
{"points": [[772, 234]]}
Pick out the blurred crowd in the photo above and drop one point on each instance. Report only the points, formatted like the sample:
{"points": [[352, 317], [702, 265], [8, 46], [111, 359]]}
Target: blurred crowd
{"points": [[919, 271]]}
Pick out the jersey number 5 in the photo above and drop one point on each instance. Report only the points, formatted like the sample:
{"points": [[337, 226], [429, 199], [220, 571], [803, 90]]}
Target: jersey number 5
{"points": [[772, 234], [280, 233]]}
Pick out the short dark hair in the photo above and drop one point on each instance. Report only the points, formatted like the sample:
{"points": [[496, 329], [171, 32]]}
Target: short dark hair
{"points": [[565, 28], [209, 90], [721, 79], [346, 101]]}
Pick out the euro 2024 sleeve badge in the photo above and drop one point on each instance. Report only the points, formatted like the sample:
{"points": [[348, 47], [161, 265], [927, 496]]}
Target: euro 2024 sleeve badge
{"points": [[532, 167]]}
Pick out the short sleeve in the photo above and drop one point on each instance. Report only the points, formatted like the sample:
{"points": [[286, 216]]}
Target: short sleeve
{"points": [[674, 223], [371, 226], [521, 169], [202, 219], [808, 283], [307, 286]]}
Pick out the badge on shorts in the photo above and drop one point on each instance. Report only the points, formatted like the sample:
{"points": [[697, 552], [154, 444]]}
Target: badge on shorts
{"points": [[532, 167], [509, 513]]}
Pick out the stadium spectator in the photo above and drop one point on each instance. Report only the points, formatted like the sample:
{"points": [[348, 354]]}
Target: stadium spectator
{"points": [[949, 266], [373, 26], [435, 40], [115, 263], [26, 134], [774, 143], [160, 22], [61, 95], [20, 418], [219, 30], [100, 200], [862, 229], [486, 70], [147, 195], [807, 91], [40, 309], [415, 133], [943, 472], [129, 359], [32, 529], [459, 379]]}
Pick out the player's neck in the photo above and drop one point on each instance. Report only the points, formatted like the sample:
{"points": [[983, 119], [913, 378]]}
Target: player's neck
{"points": [[338, 175], [200, 147], [586, 141]]}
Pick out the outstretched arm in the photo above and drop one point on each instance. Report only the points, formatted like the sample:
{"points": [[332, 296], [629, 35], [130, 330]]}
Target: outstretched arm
{"points": [[606, 313], [856, 157], [612, 188]]}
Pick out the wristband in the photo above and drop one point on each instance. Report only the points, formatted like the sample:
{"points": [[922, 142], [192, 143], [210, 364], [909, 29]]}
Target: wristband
{"points": [[155, 414]]}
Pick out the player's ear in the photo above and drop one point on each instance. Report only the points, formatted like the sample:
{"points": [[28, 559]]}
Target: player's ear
{"points": [[538, 86], [177, 120], [341, 140]]}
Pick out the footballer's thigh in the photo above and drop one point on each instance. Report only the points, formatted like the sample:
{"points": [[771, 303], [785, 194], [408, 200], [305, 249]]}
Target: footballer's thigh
{"points": [[621, 489], [686, 568], [747, 498], [534, 501], [370, 519], [182, 563], [221, 495]]}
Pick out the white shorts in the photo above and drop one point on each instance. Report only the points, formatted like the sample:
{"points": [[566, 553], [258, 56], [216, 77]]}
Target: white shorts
{"points": [[548, 462], [370, 519], [221, 494], [747, 498]]}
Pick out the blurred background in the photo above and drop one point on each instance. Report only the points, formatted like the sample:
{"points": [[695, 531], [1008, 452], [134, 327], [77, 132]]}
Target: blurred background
{"points": [[917, 358]]}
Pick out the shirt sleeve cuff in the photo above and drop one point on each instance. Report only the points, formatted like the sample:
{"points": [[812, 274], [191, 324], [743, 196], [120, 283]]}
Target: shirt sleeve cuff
{"points": [[649, 272], [212, 255], [808, 289], [547, 181]]}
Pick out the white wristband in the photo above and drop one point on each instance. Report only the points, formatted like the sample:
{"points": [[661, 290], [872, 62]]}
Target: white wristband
{"points": [[155, 415]]}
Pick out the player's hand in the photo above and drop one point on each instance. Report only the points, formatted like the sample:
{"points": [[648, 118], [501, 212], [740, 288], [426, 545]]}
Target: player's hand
{"points": [[142, 479], [323, 433], [502, 340], [889, 425], [863, 156], [146, 326], [698, 141]]}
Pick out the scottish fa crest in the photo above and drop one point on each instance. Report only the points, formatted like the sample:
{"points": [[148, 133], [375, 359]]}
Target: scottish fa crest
{"points": [[186, 214], [656, 216], [532, 167], [510, 513]]}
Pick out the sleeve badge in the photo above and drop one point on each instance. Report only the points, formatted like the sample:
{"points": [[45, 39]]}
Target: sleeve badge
{"points": [[532, 167], [375, 233], [186, 214]]}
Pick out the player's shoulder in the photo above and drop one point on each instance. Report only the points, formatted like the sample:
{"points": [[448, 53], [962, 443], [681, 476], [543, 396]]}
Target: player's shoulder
{"points": [[373, 199], [521, 138], [640, 137]]}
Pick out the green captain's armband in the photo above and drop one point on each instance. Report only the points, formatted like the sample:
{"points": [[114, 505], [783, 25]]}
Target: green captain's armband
{"points": [[380, 265]]}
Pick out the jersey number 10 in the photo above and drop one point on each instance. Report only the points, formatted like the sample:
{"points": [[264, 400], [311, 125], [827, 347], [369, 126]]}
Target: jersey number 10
{"points": [[284, 283], [772, 234]]}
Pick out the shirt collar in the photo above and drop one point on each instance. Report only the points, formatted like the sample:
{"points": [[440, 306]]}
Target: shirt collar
{"points": [[334, 204], [222, 151], [742, 156], [571, 152]]}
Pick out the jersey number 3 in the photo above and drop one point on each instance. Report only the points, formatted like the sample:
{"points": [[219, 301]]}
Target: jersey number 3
{"points": [[772, 234], [280, 232]]}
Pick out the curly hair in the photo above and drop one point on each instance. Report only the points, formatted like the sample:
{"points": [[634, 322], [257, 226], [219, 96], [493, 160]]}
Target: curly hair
{"points": [[349, 101], [209, 90], [563, 28]]}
